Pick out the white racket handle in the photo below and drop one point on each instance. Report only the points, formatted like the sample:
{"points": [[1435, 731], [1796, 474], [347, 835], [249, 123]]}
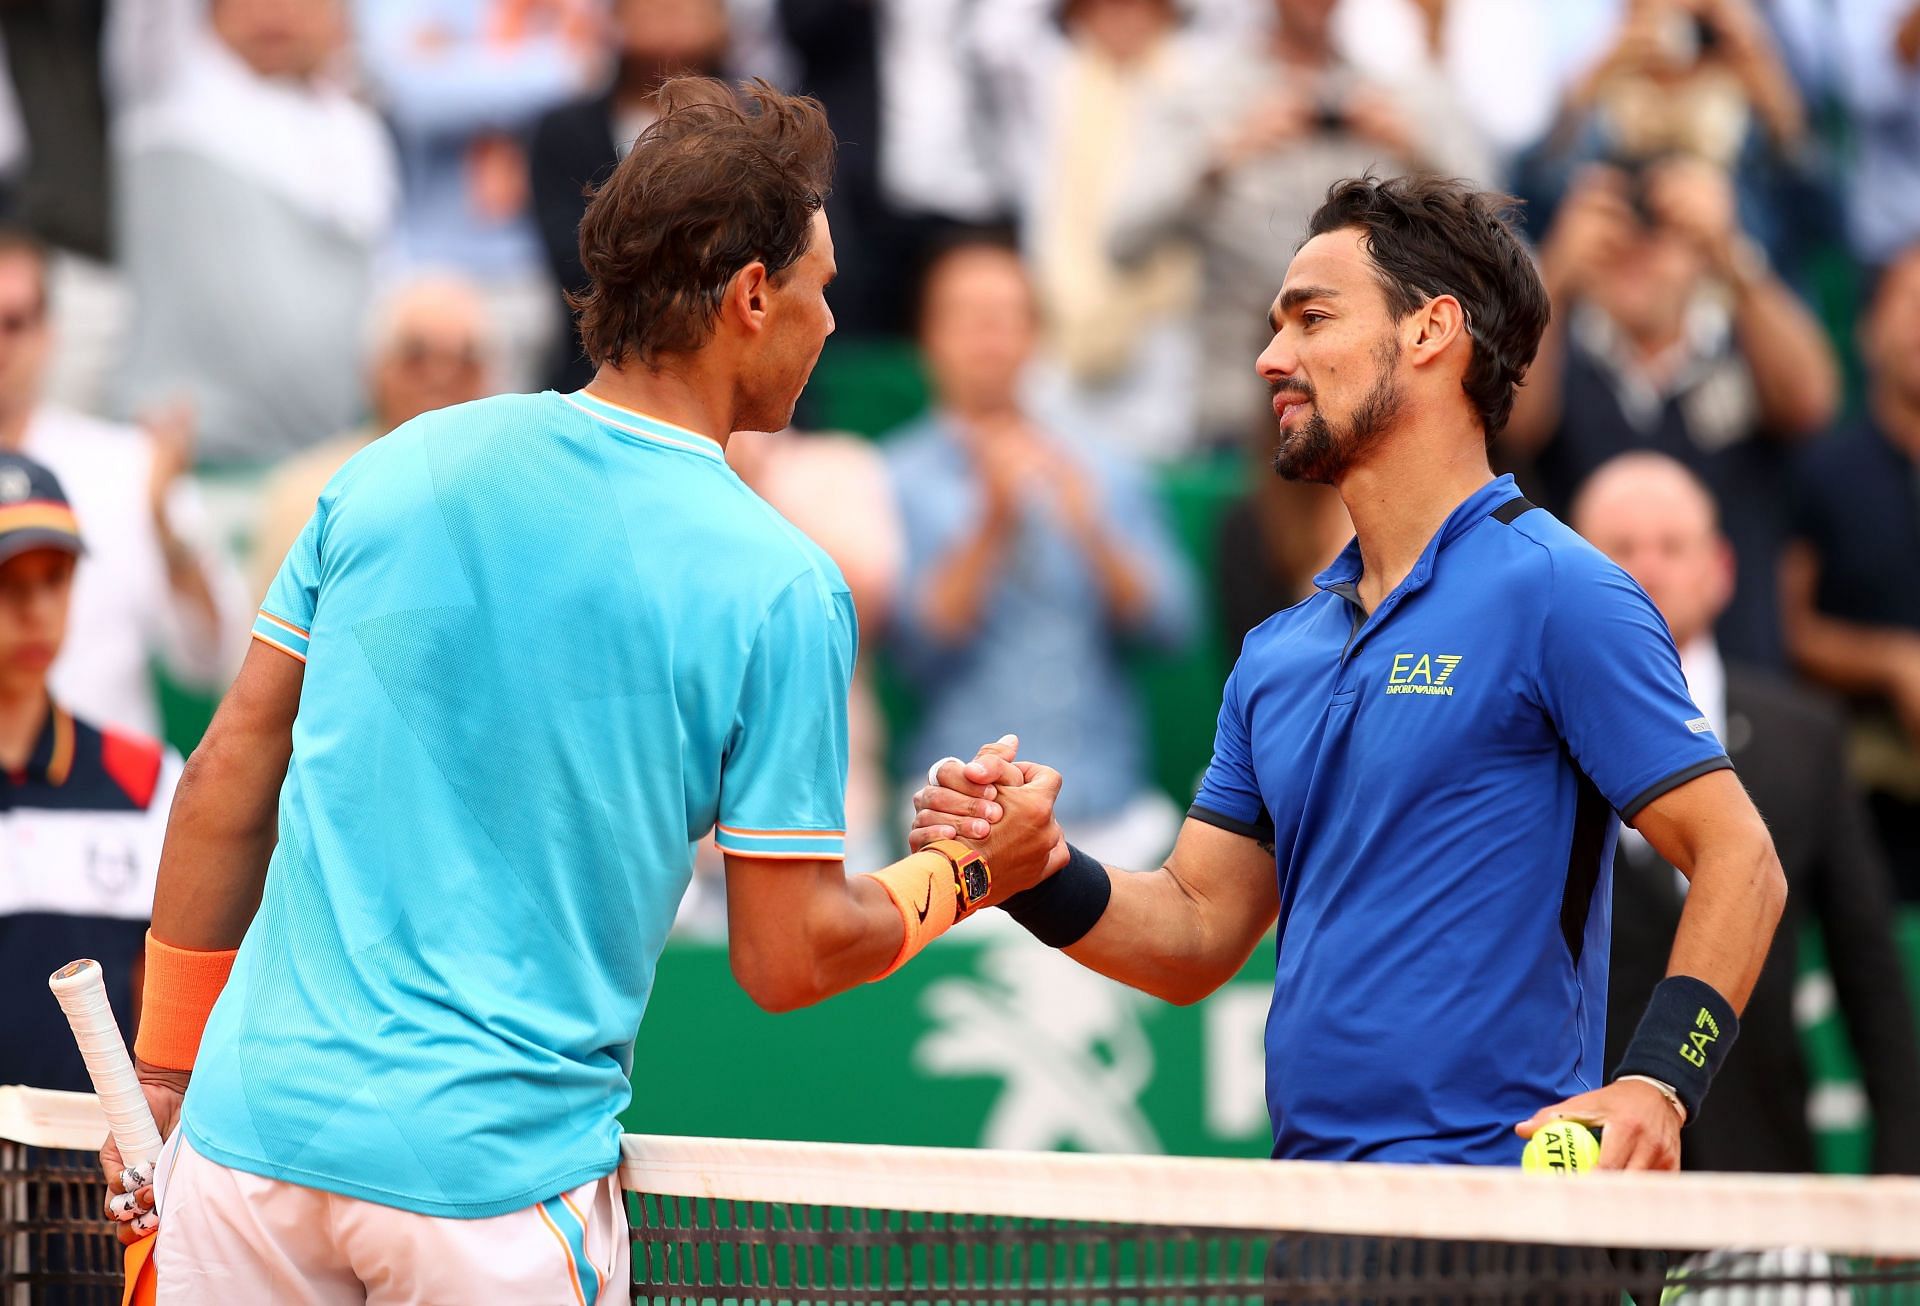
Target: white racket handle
{"points": [[82, 991]]}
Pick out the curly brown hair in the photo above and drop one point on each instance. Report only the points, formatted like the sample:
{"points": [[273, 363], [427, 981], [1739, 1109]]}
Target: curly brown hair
{"points": [[719, 181]]}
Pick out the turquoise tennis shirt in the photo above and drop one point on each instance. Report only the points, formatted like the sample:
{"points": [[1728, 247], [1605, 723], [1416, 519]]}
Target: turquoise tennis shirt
{"points": [[549, 645]]}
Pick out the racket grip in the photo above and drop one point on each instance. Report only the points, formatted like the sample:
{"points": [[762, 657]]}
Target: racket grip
{"points": [[81, 990]]}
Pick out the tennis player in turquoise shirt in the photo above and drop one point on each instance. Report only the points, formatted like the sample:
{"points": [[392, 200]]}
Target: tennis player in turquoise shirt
{"points": [[1417, 769], [525, 654]]}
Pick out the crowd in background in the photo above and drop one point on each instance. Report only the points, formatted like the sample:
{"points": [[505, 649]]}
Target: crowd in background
{"points": [[248, 237]]}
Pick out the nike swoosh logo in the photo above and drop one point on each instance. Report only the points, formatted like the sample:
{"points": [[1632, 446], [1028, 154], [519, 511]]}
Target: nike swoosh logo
{"points": [[926, 906]]}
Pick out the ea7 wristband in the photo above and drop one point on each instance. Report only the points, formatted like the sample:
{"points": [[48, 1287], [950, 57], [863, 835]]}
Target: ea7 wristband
{"points": [[1683, 1038], [1060, 909]]}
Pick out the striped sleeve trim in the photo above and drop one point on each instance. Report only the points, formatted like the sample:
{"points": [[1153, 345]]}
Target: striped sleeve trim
{"points": [[283, 635], [782, 845]]}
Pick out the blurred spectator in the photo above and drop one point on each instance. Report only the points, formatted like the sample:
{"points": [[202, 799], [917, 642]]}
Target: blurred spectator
{"points": [[151, 586], [1237, 158], [1273, 541], [835, 488], [576, 145], [82, 809], [1701, 79], [1647, 513], [1122, 337], [1671, 333], [1034, 559], [1865, 54], [431, 345], [254, 196], [462, 83], [1851, 579]]}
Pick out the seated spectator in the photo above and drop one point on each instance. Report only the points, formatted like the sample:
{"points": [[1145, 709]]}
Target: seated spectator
{"points": [[152, 586], [84, 809], [1035, 558], [1851, 578], [1122, 336], [1671, 333], [575, 146], [1236, 158], [462, 85], [254, 195], [431, 346], [1650, 515]]}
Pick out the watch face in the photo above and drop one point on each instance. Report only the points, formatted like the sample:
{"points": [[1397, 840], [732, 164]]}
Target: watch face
{"points": [[973, 876]]}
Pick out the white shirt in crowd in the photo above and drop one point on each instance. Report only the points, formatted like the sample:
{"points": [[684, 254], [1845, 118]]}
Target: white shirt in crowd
{"points": [[125, 615]]}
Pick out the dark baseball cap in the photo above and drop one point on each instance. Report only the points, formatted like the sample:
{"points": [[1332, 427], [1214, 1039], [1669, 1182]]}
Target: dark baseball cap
{"points": [[34, 512]]}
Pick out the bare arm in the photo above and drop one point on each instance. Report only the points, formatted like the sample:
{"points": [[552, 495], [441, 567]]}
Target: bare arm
{"points": [[1846, 655], [1709, 830], [223, 826], [1794, 369], [1182, 931], [799, 932], [956, 593]]}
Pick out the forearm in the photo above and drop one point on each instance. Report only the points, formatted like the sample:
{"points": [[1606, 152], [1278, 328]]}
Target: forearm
{"points": [[850, 937], [187, 579], [1161, 935], [1794, 371], [1733, 905], [1124, 585], [213, 866], [956, 594]]}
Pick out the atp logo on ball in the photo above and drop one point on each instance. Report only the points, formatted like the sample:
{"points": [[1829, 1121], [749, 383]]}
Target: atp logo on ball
{"points": [[1422, 673]]}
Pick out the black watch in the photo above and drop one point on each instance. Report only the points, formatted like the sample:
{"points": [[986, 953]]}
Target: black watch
{"points": [[972, 878]]}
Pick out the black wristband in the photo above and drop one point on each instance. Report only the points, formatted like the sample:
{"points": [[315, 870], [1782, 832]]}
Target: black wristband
{"points": [[1060, 909], [1682, 1039]]}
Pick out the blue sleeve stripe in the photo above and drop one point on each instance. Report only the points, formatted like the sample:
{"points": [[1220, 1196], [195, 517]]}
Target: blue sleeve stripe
{"points": [[795, 845], [1666, 784], [283, 635]]}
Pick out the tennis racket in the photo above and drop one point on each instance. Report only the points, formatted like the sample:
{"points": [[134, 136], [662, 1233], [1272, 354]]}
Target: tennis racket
{"points": [[82, 992]]}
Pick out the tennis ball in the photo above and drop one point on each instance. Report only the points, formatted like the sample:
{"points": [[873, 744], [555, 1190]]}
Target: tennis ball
{"points": [[1563, 1147]]}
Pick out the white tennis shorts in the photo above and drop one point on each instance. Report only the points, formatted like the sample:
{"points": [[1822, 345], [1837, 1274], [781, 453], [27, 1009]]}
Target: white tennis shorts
{"points": [[230, 1236]]}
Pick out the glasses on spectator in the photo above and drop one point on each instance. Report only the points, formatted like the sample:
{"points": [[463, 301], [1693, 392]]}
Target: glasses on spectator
{"points": [[413, 352]]}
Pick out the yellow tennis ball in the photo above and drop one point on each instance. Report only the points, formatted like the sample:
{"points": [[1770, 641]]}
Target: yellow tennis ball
{"points": [[1563, 1147]]}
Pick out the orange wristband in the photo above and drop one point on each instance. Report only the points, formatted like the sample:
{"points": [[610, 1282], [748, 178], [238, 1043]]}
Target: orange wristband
{"points": [[922, 889], [181, 987]]}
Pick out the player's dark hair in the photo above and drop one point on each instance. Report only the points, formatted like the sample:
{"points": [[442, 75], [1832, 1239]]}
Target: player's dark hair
{"points": [[719, 181], [1431, 236]]}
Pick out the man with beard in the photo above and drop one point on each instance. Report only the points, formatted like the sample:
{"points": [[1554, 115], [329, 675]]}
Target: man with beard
{"points": [[1417, 768]]}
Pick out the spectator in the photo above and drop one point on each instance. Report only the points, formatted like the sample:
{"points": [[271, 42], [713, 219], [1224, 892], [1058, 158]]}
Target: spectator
{"points": [[150, 588], [462, 85], [1034, 559], [431, 346], [1650, 515], [1122, 336], [255, 194], [1701, 79], [85, 807], [1866, 55], [1238, 157], [1851, 578], [1671, 333], [577, 144]]}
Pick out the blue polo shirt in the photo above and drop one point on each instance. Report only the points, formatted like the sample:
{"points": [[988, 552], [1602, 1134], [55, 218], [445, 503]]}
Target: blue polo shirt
{"points": [[1439, 780]]}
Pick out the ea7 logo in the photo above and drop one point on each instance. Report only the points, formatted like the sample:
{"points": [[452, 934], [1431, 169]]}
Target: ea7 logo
{"points": [[1422, 673]]}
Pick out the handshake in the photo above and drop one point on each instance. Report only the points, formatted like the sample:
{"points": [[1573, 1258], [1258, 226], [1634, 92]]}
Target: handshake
{"points": [[1001, 806]]}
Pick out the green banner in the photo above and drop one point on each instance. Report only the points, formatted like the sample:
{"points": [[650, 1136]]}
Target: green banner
{"points": [[989, 1040]]}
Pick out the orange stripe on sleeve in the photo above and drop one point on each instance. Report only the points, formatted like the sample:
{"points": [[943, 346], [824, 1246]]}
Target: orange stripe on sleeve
{"points": [[274, 643]]}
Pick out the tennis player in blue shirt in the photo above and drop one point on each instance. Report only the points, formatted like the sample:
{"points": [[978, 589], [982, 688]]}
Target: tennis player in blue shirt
{"points": [[1417, 770], [527, 652]]}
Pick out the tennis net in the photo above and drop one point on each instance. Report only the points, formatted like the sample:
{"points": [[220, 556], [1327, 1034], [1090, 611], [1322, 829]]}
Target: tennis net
{"points": [[738, 1221]]}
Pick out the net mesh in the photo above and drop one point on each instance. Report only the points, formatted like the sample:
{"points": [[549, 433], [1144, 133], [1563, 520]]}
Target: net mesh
{"points": [[728, 1221], [736, 1222]]}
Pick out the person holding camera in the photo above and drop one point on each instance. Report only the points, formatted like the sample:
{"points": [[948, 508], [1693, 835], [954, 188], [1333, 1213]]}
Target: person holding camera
{"points": [[1245, 149], [1672, 333]]}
